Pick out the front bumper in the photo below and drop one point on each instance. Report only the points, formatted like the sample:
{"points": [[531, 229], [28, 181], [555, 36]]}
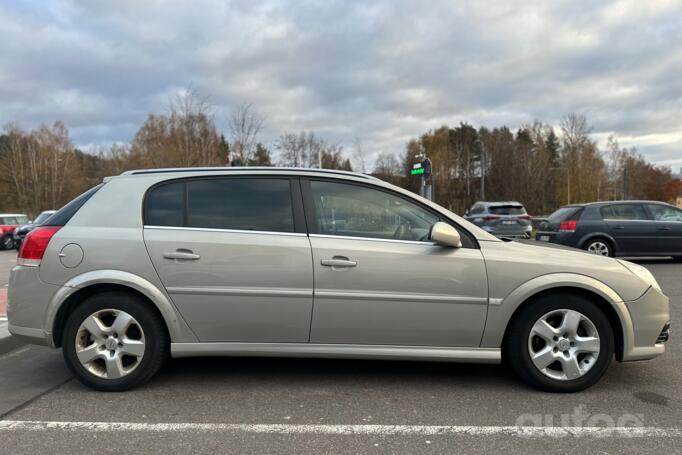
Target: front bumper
{"points": [[649, 316]]}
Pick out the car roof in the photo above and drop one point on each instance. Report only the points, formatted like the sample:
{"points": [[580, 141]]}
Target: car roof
{"points": [[242, 170], [603, 203], [490, 203]]}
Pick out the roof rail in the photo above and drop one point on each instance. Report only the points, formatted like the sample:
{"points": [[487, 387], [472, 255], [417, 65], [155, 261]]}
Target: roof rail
{"points": [[249, 168]]}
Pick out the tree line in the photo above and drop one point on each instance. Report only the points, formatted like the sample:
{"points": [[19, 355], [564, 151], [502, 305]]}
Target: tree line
{"points": [[42, 169], [533, 165]]}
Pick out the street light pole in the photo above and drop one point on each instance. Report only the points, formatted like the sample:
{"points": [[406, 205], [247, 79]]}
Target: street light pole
{"points": [[482, 170]]}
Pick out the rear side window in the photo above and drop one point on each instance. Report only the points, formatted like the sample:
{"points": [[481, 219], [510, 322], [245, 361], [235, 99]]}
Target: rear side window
{"points": [[237, 203], [624, 212], [63, 215], [507, 210]]}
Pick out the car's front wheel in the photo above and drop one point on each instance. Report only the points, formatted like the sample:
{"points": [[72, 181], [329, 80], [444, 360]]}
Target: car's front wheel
{"points": [[560, 343], [114, 341]]}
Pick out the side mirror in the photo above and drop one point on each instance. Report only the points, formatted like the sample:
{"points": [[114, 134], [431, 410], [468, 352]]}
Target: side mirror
{"points": [[466, 213], [445, 235]]}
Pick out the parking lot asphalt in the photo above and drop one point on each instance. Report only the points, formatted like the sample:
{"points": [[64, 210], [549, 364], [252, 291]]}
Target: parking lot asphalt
{"points": [[253, 405]]}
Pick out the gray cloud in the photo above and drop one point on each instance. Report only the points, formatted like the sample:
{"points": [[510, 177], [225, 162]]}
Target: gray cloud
{"points": [[383, 71]]}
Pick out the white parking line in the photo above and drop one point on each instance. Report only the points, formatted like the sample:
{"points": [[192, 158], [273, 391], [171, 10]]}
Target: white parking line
{"points": [[375, 430]]}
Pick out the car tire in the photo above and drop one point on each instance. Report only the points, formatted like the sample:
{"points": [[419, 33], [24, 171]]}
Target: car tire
{"points": [[599, 246], [104, 359], [568, 365], [7, 242]]}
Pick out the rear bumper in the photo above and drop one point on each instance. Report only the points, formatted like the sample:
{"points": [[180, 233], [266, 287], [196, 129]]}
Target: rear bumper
{"points": [[561, 238], [649, 315], [27, 301]]}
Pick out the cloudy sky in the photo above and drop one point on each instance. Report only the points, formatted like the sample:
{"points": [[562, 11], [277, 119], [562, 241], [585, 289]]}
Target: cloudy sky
{"points": [[381, 71]]}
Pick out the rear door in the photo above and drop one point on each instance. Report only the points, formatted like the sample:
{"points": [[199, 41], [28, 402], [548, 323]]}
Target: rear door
{"points": [[632, 228], [233, 255], [668, 223], [380, 281]]}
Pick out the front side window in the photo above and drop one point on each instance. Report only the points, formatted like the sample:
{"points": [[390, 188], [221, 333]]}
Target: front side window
{"points": [[665, 213], [258, 204], [358, 211], [624, 212]]}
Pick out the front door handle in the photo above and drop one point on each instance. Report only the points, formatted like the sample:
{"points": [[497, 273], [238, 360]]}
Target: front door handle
{"points": [[619, 227], [182, 254], [664, 228], [338, 261]]}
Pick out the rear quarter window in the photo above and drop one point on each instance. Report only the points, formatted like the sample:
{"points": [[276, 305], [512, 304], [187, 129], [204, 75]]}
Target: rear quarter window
{"points": [[63, 215]]}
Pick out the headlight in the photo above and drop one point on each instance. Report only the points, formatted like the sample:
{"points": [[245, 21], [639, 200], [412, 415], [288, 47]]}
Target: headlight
{"points": [[642, 272]]}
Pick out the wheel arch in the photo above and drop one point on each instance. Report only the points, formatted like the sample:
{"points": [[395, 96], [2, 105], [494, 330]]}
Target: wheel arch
{"points": [[598, 235], [83, 286], [501, 316]]}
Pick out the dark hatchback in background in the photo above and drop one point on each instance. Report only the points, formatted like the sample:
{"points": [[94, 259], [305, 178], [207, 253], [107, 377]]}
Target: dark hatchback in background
{"points": [[617, 228], [502, 219], [21, 231]]}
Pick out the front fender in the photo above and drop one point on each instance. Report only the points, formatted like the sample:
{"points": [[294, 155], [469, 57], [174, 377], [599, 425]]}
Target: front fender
{"points": [[500, 312], [177, 328]]}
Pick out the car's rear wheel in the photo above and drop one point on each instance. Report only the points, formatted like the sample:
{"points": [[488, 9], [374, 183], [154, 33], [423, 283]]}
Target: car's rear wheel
{"points": [[600, 247], [560, 343], [114, 341]]}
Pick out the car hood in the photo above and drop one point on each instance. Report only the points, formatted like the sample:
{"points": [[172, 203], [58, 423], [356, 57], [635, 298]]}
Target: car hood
{"points": [[510, 264]]}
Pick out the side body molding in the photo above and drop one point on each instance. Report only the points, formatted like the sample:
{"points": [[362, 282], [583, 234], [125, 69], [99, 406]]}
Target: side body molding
{"points": [[178, 330], [499, 315]]}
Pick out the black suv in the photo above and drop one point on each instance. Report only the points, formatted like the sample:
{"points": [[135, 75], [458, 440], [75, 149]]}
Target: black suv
{"points": [[617, 228]]}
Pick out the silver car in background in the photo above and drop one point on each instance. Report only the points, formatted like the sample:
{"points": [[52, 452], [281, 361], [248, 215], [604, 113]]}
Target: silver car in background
{"points": [[502, 219], [314, 263]]}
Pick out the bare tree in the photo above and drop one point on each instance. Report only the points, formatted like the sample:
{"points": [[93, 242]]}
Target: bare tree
{"points": [[185, 137], [245, 123], [308, 150]]}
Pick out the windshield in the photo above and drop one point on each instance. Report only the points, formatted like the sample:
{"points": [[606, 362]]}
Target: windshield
{"points": [[42, 217]]}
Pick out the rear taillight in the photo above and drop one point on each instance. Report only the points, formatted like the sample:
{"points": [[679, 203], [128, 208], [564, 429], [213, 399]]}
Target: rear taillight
{"points": [[34, 245], [568, 226], [524, 217]]}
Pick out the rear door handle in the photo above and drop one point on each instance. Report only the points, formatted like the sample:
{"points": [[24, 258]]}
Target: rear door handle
{"points": [[619, 227], [664, 228], [338, 262], [184, 255]]}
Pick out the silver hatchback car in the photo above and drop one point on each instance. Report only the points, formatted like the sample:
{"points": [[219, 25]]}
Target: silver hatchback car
{"points": [[314, 263]]}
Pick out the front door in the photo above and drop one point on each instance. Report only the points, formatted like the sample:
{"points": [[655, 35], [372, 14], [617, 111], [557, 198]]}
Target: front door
{"points": [[229, 254], [380, 281], [630, 225], [668, 223]]}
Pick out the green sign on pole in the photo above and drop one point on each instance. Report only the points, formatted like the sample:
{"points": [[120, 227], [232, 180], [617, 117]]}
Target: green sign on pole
{"points": [[418, 171]]}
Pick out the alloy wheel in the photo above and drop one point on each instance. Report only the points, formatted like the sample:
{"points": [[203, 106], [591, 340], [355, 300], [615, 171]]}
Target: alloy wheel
{"points": [[564, 344], [599, 248], [110, 344]]}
